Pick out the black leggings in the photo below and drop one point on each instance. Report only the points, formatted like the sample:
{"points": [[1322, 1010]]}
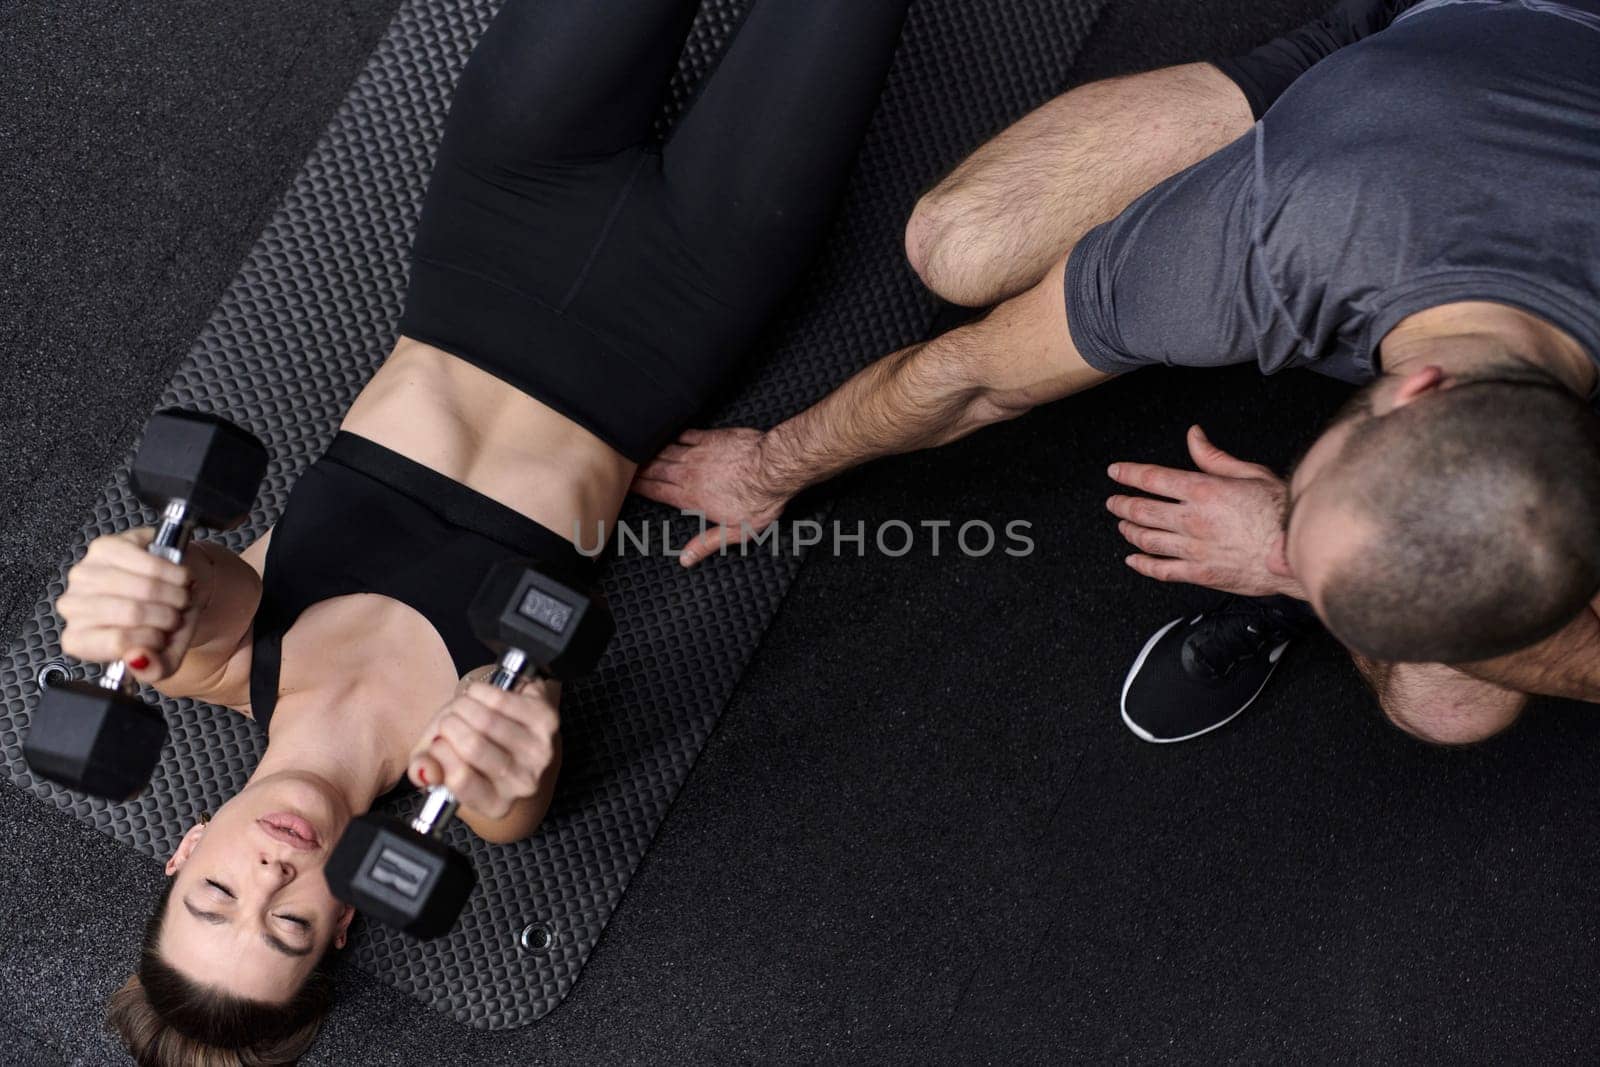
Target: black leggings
{"points": [[618, 282], [1263, 74]]}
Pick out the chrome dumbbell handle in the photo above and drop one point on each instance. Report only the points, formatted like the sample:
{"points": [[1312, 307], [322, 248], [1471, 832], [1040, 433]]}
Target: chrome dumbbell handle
{"points": [[437, 811], [171, 538], [509, 669]]}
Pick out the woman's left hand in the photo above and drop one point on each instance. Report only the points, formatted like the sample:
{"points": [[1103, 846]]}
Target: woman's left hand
{"points": [[490, 747]]}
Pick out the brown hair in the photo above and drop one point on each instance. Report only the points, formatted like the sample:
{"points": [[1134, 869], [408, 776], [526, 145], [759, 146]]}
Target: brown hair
{"points": [[1484, 503], [166, 1020]]}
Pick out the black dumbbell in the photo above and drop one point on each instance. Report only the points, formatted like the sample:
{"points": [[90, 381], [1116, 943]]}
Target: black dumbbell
{"points": [[99, 737], [403, 874]]}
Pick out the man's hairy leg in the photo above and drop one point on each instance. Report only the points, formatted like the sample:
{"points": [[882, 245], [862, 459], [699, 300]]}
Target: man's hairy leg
{"points": [[1441, 704], [1017, 205]]}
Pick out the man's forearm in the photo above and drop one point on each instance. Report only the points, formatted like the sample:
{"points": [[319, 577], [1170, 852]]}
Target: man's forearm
{"points": [[914, 398], [1018, 356], [1566, 665]]}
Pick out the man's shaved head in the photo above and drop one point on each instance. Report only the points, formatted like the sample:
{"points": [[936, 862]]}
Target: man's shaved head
{"points": [[1463, 526]]}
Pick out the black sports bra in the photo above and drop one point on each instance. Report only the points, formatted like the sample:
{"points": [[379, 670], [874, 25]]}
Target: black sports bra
{"points": [[364, 519]]}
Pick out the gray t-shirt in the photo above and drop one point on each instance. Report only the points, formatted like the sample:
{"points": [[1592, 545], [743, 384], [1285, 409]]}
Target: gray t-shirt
{"points": [[1453, 156]]}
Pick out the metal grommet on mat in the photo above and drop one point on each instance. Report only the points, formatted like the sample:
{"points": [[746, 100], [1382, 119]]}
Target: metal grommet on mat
{"points": [[52, 673], [537, 938]]}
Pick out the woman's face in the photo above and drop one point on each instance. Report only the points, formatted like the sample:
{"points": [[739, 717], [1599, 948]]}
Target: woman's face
{"points": [[250, 911]]}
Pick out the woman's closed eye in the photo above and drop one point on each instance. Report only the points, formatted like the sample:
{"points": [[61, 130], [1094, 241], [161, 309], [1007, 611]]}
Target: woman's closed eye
{"points": [[293, 920]]}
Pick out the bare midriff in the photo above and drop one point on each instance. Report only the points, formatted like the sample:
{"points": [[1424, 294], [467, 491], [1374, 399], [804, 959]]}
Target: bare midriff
{"points": [[446, 414]]}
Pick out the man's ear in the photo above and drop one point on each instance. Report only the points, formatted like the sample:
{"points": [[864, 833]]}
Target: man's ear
{"points": [[1278, 557], [1420, 383], [180, 856]]}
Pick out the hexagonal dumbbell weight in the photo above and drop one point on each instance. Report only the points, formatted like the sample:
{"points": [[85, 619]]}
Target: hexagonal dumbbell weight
{"points": [[99, 737], [403, 874]]}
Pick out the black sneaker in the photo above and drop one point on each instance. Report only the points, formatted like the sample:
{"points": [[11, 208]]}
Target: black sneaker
{"points": [[1195, 675]]}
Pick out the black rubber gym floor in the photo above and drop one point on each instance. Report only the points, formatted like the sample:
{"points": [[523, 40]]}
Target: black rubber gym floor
{"points": [[920, 833]]}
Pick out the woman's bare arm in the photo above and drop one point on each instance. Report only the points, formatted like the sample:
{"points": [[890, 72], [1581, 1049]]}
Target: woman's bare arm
{"points": [[216, 668]]}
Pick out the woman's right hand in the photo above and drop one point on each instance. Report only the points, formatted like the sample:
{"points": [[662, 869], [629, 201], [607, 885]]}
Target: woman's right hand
{"points": [[494, 749], [122, 603]]}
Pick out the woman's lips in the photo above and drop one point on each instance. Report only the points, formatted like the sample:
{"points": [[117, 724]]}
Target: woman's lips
{"points": [[293, 830]]}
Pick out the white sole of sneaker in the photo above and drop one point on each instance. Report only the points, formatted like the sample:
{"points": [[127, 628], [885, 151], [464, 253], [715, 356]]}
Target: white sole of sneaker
{"points": [[1144, 735]]}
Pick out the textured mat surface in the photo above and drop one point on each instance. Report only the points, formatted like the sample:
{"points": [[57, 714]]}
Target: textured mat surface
{"points": [[312, 312], [204, 113]]}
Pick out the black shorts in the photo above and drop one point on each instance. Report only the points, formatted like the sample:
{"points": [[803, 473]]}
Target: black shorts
{"points": [[616, 280], [1263, 74]]}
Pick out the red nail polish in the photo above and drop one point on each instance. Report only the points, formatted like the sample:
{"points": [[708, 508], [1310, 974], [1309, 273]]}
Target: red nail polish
{"points": [[422, 772], [139, 663]]}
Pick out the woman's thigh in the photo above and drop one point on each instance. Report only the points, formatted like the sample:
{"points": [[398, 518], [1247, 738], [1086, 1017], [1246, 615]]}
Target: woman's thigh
{"points": [[565, 79]]}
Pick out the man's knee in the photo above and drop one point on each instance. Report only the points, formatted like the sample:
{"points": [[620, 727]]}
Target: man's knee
{"points": [[945, 250], [924, 232], [1444, 720]]}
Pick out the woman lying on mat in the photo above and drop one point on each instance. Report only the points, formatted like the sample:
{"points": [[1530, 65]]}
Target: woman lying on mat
{"points": [[576, 296]]}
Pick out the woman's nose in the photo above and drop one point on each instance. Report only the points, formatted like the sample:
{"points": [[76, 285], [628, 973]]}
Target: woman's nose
{"points": [[280, 871]]}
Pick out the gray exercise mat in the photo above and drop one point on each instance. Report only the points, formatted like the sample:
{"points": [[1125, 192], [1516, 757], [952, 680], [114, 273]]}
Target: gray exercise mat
{"points": [[312, 313]]}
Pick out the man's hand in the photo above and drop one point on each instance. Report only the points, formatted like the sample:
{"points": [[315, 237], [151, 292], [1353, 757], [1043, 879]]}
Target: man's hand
{"points": [[492, 748], [1217, 528], [717, 473], [1015, 358]]}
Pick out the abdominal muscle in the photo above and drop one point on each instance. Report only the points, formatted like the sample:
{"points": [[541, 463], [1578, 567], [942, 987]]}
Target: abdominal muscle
{"points": [[470, 426]]}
